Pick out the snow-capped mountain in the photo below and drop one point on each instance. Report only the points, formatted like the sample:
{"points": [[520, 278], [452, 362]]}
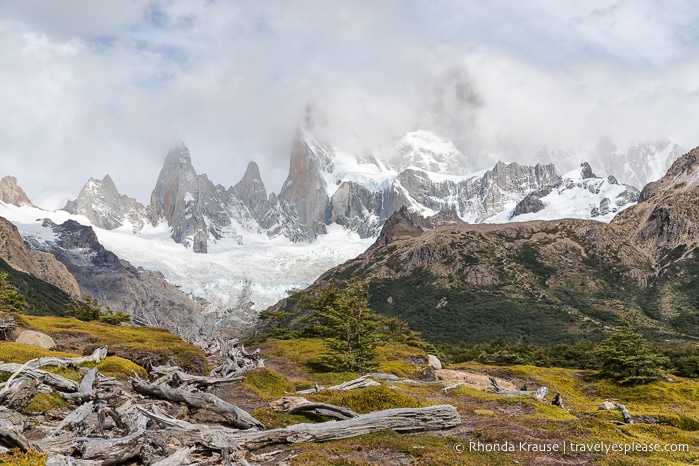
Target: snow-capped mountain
{"points": [[577, 194], [427, 151], [636, 165], [101, 203], [331, 208]]}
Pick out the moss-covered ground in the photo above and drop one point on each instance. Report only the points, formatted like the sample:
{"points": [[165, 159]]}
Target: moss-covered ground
{"points": [[489, 421]]}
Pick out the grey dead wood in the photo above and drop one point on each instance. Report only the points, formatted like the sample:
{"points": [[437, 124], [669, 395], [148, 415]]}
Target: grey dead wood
{"points": [[401, 420], [176, 378], [98, 355], [232, 414], [540, 392], [453, 386], [20, 393], [11, 436], [63, 460], [75, 418], [396, 379], [111, 451], [628, 419], [54, 380], [178, 458], [294, 404]]}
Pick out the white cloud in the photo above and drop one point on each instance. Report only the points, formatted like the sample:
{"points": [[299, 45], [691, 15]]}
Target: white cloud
{"points": [[91, 88]]}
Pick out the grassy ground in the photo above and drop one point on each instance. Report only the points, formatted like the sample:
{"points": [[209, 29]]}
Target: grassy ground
{"points": [[491, 424]]}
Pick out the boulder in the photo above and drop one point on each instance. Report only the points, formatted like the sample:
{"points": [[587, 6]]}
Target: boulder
{"points": [[606, 406], [31, 337], [434, 362]]}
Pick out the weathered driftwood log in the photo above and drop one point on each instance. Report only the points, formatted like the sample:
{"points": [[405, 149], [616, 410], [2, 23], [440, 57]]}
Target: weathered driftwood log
{"points": [[361, 382], [86, 389], [113, 450], [396, 379], [63, 460], [628, 419], [176, 378], [451, 387], [401, 420], [297, 404], [178, 458], [540, 392], [18, 395], [75, 418], [56, 381], [11, 437], [98, 355], [234, 415]]}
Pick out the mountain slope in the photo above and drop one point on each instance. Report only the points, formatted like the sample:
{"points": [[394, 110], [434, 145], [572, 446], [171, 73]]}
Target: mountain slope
{"points": [[546, 281]]}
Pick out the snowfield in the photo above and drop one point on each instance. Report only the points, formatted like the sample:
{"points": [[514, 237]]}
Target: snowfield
{"points": [[230, 275]]}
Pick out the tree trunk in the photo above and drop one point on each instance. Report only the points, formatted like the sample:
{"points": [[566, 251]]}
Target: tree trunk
{"points": [[234, 415]]}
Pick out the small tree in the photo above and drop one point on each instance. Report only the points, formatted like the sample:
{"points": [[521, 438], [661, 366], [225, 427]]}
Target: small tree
{"points": [[625, 356], [11, 300], [86, 309], [344, 319]]}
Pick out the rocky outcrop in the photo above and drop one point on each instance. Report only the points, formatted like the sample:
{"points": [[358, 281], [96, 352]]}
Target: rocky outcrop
{"points": [[101, 203], [666, 216], [531, 203], [191, 204], [404, 224], [305, 188], [115, 283], [11, 193], [40, 264]]}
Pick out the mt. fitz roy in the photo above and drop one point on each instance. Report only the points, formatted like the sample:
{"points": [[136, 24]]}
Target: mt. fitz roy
{"points": [[325, 186]]}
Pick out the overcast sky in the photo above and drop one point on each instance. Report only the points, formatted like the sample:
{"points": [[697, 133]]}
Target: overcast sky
{"points": [[89, 87]]}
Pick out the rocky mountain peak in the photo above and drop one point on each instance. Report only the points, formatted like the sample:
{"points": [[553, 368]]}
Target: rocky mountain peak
{"points": [[586, 171], [251, 190], [101, 203], [11, 193], [404, 224], [305, 187]]}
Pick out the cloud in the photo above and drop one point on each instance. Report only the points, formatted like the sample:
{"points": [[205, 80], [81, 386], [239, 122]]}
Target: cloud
{"points": [[91, 88]]}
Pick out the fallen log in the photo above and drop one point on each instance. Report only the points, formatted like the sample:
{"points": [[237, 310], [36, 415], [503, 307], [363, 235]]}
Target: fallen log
{"points": [[395, 379], [294, 404], [56, 381], [11, 437], [539, 394], [628, 419], [63, 460], [401, 420], [232, 414], [176, 378], [86, 389], [111, 451], [178, 458], [361, 382], [98, 355]]}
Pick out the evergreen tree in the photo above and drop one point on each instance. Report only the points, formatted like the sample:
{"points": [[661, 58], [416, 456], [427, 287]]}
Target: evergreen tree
{"points": [[626, 357], [11, 300], [86, 309], [344, 319]]}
